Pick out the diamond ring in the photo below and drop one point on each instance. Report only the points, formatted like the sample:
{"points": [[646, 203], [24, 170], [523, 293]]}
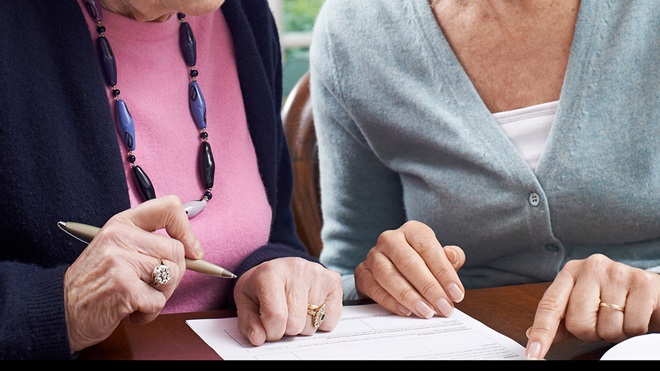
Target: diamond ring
{"points": [[160, 274]]}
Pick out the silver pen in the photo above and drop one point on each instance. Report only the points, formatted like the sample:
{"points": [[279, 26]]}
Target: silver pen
{"points": [[86, 233]]}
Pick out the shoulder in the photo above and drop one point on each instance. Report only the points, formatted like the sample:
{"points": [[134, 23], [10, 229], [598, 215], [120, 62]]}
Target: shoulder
{"points": [[643, 15], [252, 25], [357, 18], [32, 21], [256, 13], [345, 28]]}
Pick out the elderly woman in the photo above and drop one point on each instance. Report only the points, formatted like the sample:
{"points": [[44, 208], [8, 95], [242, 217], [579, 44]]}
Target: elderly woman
{"points": [[117, 113], [522, 136]]}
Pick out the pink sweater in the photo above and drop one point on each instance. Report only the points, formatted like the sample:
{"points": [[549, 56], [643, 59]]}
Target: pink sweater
{"points": [[153, 79]]}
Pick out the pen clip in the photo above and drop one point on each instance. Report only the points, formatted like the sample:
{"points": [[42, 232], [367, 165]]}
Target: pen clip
{"points": [[62, 226]]}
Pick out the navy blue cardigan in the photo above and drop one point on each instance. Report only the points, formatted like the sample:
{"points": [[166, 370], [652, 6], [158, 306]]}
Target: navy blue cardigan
{"points": [[60, 158]]}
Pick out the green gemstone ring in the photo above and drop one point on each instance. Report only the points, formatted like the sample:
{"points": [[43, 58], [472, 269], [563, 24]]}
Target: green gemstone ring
{"points": [[317, 313]]}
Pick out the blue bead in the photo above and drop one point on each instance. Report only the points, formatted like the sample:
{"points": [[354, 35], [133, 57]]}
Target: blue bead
{"points": [[125, 125], [197, 105]]}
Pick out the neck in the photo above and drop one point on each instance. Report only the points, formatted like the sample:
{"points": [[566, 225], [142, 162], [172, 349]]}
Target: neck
{"points": [[500, 9], [141, 12]]}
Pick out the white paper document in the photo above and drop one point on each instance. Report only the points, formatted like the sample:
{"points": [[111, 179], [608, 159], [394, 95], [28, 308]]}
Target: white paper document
{"points": [[369, 332], [642, 347]]}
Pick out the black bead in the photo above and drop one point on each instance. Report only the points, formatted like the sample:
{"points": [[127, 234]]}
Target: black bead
{"points": [[206, 164], [194, 73], [115, 92], [131, 158], [100, 29], [108, 63], [144, 183], [187, 44], [93, 11], [208, 195], [180, 16], [204, 135]]}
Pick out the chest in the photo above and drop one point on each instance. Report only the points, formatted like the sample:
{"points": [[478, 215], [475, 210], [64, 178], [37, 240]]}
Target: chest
{"points": [[516, 53]]}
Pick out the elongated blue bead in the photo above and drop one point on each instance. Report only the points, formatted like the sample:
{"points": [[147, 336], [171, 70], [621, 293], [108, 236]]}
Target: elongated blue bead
{"points": [[94, 9], [206, 164], [187, 44], [197, 105], [144, 183], [107, 58], [125, 125]]}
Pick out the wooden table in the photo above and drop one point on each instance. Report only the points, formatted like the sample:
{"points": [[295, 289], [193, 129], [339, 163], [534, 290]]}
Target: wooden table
{"points": [[509, 310]]}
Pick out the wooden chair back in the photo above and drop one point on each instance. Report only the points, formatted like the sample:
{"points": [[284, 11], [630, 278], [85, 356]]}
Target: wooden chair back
{"points": [[298, 124]]}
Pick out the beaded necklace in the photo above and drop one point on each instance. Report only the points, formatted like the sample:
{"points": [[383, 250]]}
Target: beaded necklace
{"points": [[124, 121]]}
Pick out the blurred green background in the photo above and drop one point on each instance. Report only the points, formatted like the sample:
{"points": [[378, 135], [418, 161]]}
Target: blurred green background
{"points": [[299, 16]]}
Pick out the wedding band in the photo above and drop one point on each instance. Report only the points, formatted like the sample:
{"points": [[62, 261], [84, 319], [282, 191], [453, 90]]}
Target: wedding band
{"points": [[317, 313], [612, 306], [160, 274]]}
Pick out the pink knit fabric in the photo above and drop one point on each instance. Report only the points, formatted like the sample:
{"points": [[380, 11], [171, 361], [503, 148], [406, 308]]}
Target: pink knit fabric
{"points": [[153, 80]]}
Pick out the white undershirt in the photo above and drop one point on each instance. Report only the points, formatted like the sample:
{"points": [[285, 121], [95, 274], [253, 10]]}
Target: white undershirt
{"points": [[528, 129]]}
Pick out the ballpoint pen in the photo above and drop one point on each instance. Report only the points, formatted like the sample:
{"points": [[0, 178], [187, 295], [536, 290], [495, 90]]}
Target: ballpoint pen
{"points": [[86, 233]]}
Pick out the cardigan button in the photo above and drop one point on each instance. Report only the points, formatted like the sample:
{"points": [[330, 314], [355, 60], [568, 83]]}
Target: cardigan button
{"points": [[534, 199], [552, 247]]}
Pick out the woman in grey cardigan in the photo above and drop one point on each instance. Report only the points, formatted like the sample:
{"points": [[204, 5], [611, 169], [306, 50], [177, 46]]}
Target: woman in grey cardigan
{"points": [[522, 136]]}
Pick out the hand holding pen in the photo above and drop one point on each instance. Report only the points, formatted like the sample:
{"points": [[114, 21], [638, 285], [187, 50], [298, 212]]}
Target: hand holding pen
{"points": [[85, 233], [128, 270]]}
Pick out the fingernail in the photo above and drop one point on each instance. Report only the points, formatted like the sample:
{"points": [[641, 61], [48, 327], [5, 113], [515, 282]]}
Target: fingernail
{"points": [[455, 292], [424, 310], [527, 332], [405, 311], [199, 252], [533, 350], [451, 255], [444, 307]]}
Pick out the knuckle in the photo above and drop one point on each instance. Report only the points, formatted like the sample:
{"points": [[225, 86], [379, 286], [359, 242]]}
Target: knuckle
{"points": [[174, 248], [417, 226], [424, 244], [295, 325], [406, 294], [274, 319], [581, 329], [548, 308], [379, 267], [596, 262], [173, 201], [539, 331], [637, 328], [389, 237], [428, 288], [441, 270]]}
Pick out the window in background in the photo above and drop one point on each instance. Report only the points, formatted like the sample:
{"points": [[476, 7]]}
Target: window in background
{"points": [[295, 21]]}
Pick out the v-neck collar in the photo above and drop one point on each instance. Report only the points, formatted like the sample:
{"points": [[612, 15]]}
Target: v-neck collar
{"points": [[480, 119]]}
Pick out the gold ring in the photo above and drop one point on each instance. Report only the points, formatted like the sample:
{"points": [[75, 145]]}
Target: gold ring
{"points": [[160, 275], [612, 306], [317, 313]]}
